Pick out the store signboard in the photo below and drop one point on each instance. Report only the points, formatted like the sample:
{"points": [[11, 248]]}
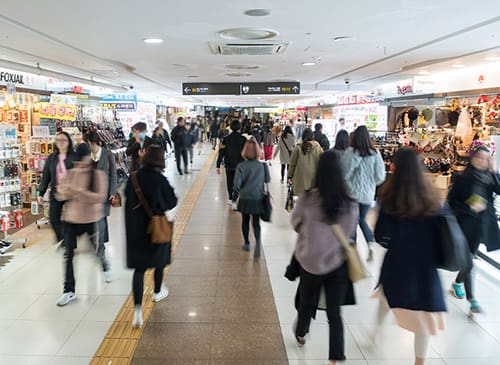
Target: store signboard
{"points": [[58, 111], [22, 79], [121, 102], [40, 131], [353, 99], [245, 88]]}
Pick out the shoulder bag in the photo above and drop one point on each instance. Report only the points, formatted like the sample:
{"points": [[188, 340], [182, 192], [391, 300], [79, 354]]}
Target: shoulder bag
{"points": [[160, 228], [117, 202], [355, 267], [454, 251], [266, 200]]}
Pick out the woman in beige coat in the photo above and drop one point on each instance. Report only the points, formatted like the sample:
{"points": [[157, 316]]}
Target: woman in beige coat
{"points": [[304, 162]]}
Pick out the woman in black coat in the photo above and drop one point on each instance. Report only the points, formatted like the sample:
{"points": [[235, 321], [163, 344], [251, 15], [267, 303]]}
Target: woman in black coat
{"points": [[408, 225], [141, 253], [471, 197]]}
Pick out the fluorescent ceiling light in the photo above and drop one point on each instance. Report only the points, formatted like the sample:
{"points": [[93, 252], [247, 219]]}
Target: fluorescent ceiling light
{"points": [[153, 40], [342, 38], [458, 65], [492, 58], [424, 72], [258, 12], [308, 63]]}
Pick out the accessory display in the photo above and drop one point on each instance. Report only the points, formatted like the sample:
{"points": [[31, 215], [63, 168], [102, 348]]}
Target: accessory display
{"points": [[160, 228], [355, 267]]}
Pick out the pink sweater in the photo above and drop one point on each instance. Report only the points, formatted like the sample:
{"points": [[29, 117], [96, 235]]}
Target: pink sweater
{"points": [[82, 205]]}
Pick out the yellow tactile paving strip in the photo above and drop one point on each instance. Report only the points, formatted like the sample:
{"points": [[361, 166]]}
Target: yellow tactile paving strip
{"points": [[118, 347]]}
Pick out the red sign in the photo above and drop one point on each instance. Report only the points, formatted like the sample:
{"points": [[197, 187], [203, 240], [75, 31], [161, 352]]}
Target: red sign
{"points": [[77, 89], [407, 89], [23, 116]]}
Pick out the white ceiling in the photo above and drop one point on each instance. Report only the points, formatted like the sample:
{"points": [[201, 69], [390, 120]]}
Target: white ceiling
{"points": [[104, 39]]}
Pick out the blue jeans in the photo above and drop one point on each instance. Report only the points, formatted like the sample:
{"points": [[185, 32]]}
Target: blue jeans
{"points": [[367, 232]]}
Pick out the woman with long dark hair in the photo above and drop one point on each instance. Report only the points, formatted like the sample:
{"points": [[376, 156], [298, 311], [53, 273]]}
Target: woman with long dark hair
{"points": [[408, 227], [364, 170], [55, 169], [320, 253], [472, 199], [304, 162], [286, 144], [342, 142]]}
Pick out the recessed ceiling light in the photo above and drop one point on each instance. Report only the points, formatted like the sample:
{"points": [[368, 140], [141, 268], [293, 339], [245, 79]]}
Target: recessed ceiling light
{"points": [[192, 314], [424, 72], [342, 38], [153, 40], [458, 65], [257, 12], [308, 63], [248, 34], [492, 58]]}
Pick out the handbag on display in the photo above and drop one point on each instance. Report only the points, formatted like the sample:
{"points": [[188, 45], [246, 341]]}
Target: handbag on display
{"points": [[160, 228], [289, 199], [454, 251], [355, 267], [266, 202]]}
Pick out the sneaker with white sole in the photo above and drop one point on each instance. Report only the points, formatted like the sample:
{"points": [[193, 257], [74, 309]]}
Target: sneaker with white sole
{"points": [[161, 295], [108, 276], [137, 322], [65, 299]]}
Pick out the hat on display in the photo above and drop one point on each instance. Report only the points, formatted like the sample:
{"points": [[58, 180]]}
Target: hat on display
{"points": [[413, 114], [82, 151], [482, 99], [454, 104], [427, 113]]}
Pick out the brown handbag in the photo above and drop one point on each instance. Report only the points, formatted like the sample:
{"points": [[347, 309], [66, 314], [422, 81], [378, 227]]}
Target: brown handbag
{"points": [[160, 228]]}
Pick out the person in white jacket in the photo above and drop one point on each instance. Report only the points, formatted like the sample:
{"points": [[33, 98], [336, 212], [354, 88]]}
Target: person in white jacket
{"points": [[364, 170]]}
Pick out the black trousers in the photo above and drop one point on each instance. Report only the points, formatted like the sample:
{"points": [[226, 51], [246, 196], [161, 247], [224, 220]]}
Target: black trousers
{"points": [[336, 286], [184, 154], [71, 234], [245, 227], [472, 230], [230, 173], [283, 168], [138, 283], [55, 212]]}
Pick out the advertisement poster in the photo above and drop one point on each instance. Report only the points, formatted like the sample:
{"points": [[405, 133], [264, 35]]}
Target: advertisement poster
{"points": [[58, 111]]}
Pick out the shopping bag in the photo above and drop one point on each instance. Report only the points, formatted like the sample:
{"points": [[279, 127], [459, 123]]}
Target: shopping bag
{"points": [[355, 267], [289, 199]]}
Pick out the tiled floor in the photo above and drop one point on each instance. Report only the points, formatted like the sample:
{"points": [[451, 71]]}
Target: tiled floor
{"points": [[224, 308]]}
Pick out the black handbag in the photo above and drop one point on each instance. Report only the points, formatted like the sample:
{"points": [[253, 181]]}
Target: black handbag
{"points": [[289, 199], [454, 249]]}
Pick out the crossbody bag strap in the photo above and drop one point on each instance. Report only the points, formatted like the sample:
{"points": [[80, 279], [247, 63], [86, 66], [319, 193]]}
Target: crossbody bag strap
{"points": [[286, 146], [140, 195], [340, 235]]}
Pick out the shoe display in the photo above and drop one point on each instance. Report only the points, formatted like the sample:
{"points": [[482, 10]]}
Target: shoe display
{"points": [[137, 322], [457, 290], [161, 295], [65, 299]]}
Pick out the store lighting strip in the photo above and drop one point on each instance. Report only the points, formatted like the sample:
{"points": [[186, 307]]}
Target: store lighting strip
{"points": [[66, 77]]}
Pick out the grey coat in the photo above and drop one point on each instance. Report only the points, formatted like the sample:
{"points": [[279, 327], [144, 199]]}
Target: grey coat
{"points": [[285, 153], [107, 164], [249, 183]]}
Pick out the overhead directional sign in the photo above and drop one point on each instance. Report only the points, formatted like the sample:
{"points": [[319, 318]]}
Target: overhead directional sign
{"points": [[214, 88], [246, 88]]}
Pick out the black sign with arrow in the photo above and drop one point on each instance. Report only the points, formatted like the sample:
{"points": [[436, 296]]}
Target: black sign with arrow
{"points": [[247, 88]]}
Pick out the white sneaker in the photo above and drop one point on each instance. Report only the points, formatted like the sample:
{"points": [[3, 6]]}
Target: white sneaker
{"points": [[234, 206], [108, 276], [65, 299], [137, 322], [229, 201], [161, 295]]}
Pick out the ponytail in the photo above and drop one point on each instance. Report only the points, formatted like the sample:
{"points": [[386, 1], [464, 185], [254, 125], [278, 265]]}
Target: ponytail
{"points": [[307, 138]]}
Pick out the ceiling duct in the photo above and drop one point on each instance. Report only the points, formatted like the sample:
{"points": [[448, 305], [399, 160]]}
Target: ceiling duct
{"points": [[247, 49]]}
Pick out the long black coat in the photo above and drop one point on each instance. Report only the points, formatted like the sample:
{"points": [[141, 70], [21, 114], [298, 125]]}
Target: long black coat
{"points": [[141, 253], [478, 228]]}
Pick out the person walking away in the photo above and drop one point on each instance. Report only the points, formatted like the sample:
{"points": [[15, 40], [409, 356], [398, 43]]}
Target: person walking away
{"points": [[247, 132], [286, 145], [321, 138], [303, 163], [192, 139], [258, 132], [230, 152], [179, 137], [364, 170], [56, 168], [214, 133], [84, 191], [471, 198], [408, 226], [249, 182], [142, 254], [166, 137], [320, 252], [137, 145], [342, 142], [104, 160], [158, 137], [269, 141]]}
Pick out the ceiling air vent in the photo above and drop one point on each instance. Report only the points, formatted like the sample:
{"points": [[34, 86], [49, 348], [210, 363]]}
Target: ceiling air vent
{"points": [[247, 49]]}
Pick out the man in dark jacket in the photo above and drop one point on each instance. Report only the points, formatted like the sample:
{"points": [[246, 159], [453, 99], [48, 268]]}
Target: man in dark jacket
{"points": [[166, 136], [137, 145], [230, 151], [179, 136], [258, 133], [320, 137], [192, 139]]}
